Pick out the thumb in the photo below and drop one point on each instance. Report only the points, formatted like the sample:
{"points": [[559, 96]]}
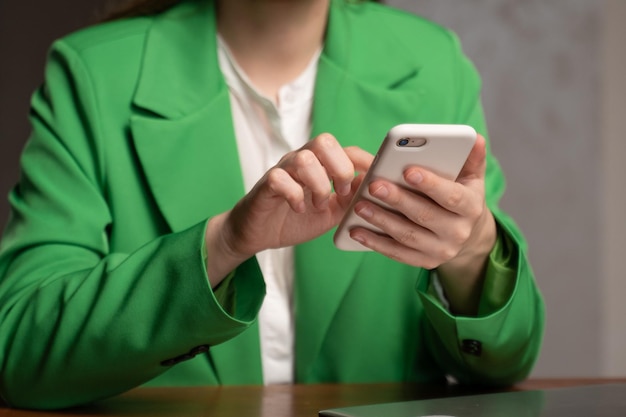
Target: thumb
{"points": [[476, 161]]}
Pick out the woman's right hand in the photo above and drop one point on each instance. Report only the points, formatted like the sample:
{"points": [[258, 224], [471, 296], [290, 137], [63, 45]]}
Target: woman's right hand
{"points": [[291, 204]]}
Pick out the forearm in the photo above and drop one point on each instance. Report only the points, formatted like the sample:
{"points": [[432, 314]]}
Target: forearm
{"points": [[73, 334]]}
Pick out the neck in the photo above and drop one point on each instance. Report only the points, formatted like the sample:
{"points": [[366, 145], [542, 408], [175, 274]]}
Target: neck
{"points": [[272, 40]]}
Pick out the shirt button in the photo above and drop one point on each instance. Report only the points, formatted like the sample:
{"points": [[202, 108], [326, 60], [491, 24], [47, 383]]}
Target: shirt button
{"points": [[289, 97]]}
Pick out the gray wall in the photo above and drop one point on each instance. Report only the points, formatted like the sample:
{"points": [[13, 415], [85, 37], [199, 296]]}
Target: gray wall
{"points": [[555, 97], [614, 191], [546, 77], [26, 30]]}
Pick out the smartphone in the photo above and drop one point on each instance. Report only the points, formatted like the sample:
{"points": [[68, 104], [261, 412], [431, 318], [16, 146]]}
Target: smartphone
{"points": [[442, 149]]}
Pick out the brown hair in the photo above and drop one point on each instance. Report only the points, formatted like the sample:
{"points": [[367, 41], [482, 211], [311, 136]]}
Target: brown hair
{"points": [[133, 8]]}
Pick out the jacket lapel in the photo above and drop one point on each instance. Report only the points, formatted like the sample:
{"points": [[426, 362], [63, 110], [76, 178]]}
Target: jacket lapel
{"points": [[184, 138], [182, 130], [358, 98]]}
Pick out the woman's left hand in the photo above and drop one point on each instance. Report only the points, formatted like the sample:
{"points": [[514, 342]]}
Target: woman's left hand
{"points": [[439, 224]]}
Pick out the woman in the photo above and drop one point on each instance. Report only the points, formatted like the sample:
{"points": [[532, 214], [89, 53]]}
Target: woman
{"points": [[173, 207]]}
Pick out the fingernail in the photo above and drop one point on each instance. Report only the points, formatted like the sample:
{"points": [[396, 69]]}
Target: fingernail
{"points": [[364, 211], [415, 177], [381, 191], [344, 189], [358, 238]]}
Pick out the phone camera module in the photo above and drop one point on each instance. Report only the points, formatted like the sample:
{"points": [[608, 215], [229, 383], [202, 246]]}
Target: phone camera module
{"points": [[411, 142]]}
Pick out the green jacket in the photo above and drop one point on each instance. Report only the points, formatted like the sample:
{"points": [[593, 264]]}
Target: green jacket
{"points": [[102, 278]]}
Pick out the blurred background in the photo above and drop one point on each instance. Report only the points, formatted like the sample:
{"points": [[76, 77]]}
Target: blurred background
{"points": [[555, 100]]}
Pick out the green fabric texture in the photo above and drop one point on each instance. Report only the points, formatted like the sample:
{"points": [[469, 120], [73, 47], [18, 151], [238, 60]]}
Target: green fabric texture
{"points": [[499, 280], [500, 276], [102, 264]]}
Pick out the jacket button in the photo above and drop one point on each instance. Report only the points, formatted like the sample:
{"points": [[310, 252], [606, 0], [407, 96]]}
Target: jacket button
{"points": [[472, 347], [169, 362], [185, 357], [199, 349]]}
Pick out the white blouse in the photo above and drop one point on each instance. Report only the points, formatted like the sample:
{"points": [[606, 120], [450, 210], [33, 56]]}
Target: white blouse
{"points": [[266, 130]]}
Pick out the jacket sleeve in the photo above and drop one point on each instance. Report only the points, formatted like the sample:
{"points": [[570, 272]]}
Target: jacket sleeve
{"points": [[79, 322], [501, 345]]}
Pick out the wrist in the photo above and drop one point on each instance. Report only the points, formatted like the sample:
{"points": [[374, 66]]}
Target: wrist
{"points": [[462, 277], [480, 245], [221, 259]]}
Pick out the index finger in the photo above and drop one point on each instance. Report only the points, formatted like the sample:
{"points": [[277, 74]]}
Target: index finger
{"points": [[338, 165], [361, 159], [448, 194]]}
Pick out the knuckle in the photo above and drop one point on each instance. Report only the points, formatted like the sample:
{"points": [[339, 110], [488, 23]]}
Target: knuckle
{"points": [[446, 253], [460, 235], [325, 141], [305, 157], [407, 237], [275, 176], [454, 199], [424, 216]]}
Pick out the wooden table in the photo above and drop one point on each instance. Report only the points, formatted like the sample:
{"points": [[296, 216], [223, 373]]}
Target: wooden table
{"points": [[273, 401]]}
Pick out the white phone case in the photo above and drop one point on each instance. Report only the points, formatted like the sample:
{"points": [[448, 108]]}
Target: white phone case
{"points": [[440, 148]]}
